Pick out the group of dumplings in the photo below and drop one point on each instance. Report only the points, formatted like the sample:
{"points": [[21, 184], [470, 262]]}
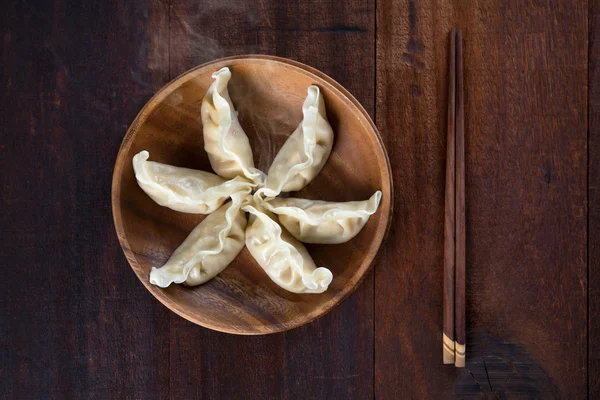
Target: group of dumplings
{"points": [[276, 226]]}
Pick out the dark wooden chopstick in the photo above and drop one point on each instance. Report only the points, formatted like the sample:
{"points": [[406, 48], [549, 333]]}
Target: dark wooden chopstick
{"points": [[449, 244], [453, 342], [460, 261]]}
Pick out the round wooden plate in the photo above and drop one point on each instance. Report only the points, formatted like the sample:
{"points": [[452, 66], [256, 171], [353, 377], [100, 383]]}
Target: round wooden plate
{"points": [[268, 93]]}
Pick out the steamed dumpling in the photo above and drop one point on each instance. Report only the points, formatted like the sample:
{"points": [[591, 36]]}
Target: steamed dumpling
{"points": [[225, 141], [315, 221], [208, 250], [183, 189], [305, 152], [282, 257]]}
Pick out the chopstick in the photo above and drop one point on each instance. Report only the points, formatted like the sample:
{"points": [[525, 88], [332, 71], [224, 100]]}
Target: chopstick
{"points": [[448, 328], [454, 332], [459, 293]]}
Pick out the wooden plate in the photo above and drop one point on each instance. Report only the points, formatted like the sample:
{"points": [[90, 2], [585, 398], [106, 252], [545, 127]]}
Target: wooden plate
{"points": [[268, 93]]}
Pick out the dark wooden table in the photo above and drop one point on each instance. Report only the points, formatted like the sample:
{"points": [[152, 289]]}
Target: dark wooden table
{"points": [[75, 322]]}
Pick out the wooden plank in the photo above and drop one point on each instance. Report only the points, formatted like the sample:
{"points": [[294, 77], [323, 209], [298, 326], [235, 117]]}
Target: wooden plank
{"points": [[525, 88], [329, 358], [594, 200], [76, 322], [412, 47]]}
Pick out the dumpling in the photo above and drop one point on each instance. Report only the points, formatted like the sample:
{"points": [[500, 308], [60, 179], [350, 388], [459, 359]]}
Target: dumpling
{"points": [[183, 189], [305, 152], [225, 141], [282, 257], [315, 221], [208, 249]]}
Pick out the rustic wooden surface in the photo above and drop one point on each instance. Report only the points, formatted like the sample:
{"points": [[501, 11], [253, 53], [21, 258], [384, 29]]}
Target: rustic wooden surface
{"points": [[594, 200], [76, 322]]}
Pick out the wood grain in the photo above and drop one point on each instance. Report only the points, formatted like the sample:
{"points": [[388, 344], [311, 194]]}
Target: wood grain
{"points": [[594, 201], [412, 48], [525, 74], [76, 323], [526, 152]]}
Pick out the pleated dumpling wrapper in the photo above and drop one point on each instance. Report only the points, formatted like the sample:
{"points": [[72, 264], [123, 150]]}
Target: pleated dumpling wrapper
{"points": [[285, 260], [305, 152], [183, 189], [225, 141], [315, 221], [207, 250]]}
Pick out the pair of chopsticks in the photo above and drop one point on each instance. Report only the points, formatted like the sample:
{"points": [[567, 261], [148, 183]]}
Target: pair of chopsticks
{"points": [[454, 348]]}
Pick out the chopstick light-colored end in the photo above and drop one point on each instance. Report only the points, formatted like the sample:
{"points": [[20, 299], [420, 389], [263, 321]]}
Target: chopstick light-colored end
{"points": [[447, 349], [460, 351]]}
